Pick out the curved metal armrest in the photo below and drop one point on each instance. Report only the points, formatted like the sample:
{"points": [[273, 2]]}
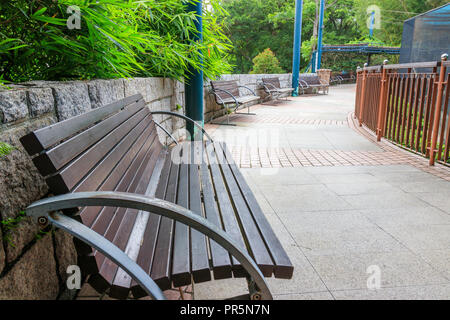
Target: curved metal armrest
{"points": [[167, 132], [185, 118], [276, 89], [107, 248], [40, 210], [227, 92], [303, 86], [340, 78], [253, 92]]}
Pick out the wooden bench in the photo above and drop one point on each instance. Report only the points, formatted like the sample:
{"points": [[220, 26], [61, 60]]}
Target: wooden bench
{"points": [[313, 82], [273, 88], [146, 217], [227, 94]]}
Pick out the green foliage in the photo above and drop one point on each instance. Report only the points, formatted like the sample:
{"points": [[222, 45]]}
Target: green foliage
{"points": [[5, 149], [117, 39], [266, 62], [252, 28], [393, 14], [11, 224], [254, 25]]}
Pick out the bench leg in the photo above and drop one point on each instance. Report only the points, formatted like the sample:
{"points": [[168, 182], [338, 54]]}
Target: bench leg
{"points": [[108, 249]]}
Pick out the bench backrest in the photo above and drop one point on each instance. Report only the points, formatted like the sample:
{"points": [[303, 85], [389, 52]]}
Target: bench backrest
{"points": [[230, 86], [273, 81], [311, 80], [104, 149]]}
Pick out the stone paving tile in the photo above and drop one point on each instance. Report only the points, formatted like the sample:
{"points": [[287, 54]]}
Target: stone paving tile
{"points": [[429, 292], [318, 242], [324, 295], [386, 218], [422, 237], [305, 278], [438, 259], [386, 200], [399, 268], [439, 200], [313, 197], [352, 188]]}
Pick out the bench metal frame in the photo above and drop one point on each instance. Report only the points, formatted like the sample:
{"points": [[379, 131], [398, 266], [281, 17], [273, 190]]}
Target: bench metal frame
{"points": [[236, 103], [47, 211], [50, 211], [304, 85], [271, 92]]}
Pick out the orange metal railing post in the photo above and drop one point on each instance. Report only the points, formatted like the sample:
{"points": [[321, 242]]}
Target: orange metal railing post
{"points": [[382, 103], [437, 110], [363, 94], [358, 92]]}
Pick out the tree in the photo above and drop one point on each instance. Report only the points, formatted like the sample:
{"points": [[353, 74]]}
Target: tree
{"points": [[254, 25], [265, 63]]}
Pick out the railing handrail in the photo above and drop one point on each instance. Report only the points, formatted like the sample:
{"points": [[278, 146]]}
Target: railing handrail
{"points": [[416, 116]]}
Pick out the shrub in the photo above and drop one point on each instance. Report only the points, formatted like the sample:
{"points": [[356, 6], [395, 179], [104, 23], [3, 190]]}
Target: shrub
{"points": [[117, 38], [266, 62]]}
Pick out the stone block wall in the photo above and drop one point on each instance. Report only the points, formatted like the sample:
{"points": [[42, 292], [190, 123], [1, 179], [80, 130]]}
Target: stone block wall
{"points": [[33, 262]]}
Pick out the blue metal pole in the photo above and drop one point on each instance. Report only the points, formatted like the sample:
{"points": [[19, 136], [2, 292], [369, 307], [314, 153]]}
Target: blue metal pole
{"points": [[194, 85], [319, 45], [297, 46], [372, 22]]}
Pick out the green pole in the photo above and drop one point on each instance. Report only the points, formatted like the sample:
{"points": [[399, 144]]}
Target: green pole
{"points": [[194, 85]]}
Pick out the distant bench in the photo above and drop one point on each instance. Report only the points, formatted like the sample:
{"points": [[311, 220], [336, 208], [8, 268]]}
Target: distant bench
{"points": [[142, 221], [313, 82], [227, 94], [273, 88]]}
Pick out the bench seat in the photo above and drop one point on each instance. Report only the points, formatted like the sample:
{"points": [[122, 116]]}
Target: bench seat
{"points": [[272, 87], [241, 100], [123, 153]]}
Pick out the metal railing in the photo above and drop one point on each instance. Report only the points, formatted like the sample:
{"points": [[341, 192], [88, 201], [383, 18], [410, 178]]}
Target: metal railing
{"points": [[408, 105]]}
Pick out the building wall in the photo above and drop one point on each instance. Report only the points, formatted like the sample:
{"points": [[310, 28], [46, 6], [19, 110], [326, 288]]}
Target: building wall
{"points": [[33, 263]]}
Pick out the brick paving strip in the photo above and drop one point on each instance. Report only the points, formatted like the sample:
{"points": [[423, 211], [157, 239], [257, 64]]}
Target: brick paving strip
{"points": [[255, 157]]}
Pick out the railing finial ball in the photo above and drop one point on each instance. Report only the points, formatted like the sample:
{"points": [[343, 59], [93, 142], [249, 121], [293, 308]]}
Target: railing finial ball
{"points": [[385, 62], [444, 56], [366, 64]]}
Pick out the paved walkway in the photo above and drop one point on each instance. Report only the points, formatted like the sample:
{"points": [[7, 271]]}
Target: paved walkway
{"points": [[342, 204]]}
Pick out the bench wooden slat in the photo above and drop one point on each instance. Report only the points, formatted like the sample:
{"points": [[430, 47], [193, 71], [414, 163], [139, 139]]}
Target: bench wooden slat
{"points": [[68, 177], [42, 139], [199, 250], [111, 183], [161, 262], [221, 261], [109, 218], [255, 243], [181, 262], [283, 268], [89, 214], [122, 281], [109, 164], [149, 240], [53, 160], [127, 218], [230, 222]]}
